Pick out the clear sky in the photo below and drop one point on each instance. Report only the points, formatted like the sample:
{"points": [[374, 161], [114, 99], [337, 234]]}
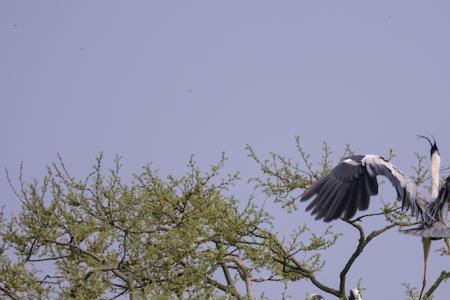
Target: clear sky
{"points": [[159, 80]]}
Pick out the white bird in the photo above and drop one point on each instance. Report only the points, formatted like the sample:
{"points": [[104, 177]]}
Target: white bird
{"points": [[315, 297], [355, 295], [348, 187]]}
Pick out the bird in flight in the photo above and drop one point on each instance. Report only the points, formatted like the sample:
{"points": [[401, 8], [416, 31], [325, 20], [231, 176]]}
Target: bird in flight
{"points": [[348, 187]]}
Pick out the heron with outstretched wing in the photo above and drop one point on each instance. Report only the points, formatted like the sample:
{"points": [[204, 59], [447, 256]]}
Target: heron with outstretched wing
{"points": [[349, 186]]}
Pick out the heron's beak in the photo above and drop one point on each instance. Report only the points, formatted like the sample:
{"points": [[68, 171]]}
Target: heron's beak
{"points": [[428, 139]]}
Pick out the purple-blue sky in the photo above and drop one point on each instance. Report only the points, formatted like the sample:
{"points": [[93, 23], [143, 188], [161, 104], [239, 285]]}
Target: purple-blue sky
{"points": [[159, 80]]}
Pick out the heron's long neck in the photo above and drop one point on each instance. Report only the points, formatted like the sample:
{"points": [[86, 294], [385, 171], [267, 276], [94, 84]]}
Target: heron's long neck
{"points": [[435, 166]]}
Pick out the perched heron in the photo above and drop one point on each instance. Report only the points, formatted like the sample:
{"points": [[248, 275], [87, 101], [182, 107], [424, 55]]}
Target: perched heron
{"points": [[315, 297], [348, 187], [355, 295], [435, 227]]}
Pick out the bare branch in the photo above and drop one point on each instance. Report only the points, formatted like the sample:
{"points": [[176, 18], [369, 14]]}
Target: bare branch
{"points": [[360, 218], [442, 277], [8, 293], [362, 243], [286, 260], [245, 274], [224, 288]]}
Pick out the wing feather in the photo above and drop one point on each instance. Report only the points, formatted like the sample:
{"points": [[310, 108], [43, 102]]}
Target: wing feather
{"points": [[348, 187], [352, 206], [334, 201], [338, 207], [333, 195], [406, 189], [327, 186], [315, 188], [359, 195], [365, 192], [438, 208]]}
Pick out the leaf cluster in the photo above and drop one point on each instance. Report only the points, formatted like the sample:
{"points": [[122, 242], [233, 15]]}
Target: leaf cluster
{"points": [[184, 237]]}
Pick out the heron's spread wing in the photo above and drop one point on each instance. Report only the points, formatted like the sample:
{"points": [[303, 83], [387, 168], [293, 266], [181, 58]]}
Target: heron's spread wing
{"points": [[348, 187], [438, 208]]}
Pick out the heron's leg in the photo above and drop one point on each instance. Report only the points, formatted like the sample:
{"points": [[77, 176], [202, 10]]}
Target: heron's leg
{"points": [[426, 242], [447, 242]]}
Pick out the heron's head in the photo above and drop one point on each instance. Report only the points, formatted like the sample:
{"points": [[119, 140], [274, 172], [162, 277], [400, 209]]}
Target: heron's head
{"points": [[434, 148], [315, 297]]}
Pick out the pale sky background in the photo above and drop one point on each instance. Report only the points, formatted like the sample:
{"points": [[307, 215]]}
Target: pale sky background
{"points": [[160, 80]]}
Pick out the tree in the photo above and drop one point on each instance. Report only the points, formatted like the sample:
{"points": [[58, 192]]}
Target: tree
{"points": [[170, 238]]}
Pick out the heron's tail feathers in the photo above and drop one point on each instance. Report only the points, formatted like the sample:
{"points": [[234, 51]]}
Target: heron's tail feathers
{"points": [[436, 230]]}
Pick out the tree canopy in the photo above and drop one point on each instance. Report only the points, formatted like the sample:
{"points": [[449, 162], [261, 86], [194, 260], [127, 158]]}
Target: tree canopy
{"points": [[186, 237]]}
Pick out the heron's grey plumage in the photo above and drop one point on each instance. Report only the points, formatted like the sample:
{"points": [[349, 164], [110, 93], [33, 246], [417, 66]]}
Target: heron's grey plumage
{"points": [[407, 191], [315, 297], [435, 220], [438, 208], [355, 295], [437, 230], [348, 187]]}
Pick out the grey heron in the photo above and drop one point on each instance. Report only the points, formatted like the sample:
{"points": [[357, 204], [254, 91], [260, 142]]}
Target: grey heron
{"points": [[435, 226], [355, 295], [315, 297], [348, 186]]}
